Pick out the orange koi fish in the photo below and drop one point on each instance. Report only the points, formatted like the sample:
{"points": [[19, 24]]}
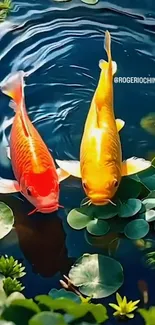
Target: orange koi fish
{"points": [[101, 166], [33, 166]]}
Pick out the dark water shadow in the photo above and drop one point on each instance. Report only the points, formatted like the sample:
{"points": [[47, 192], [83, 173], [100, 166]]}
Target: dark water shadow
{"points": [[41, 238]]}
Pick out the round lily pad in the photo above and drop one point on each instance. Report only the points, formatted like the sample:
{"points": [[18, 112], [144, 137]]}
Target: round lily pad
{"points": [[47, 318], [6, 219], [106, 211], [150, 215], [78, 219], [129, 208], [136, 229], [97, 275], [149, 203], [98, 227]]}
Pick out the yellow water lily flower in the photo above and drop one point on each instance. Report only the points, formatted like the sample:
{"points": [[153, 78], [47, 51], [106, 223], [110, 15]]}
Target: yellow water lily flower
{"points": [[124, 308]]}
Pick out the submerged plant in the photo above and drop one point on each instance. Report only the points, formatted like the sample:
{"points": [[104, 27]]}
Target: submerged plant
{"points": [[10, 267], [12, 285], [150, 259], [5, 7], [124, 308]]}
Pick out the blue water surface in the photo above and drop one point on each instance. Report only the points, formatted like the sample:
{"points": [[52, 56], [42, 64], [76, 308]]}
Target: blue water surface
{"points": [[59, 46]]}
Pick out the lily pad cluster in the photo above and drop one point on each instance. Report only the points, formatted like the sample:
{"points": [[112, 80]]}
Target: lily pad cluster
{"points": [[46, 309], [134, 209]]}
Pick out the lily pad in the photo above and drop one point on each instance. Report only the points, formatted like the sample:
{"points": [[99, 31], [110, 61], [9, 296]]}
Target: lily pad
{"points": [[105, 212], [97, 275], [54, 293], [98, 227], [47, 318], [136, 229], [6, 220], [149, 203], [79, 218], [128, 188], [150, 215], [129, 208]]}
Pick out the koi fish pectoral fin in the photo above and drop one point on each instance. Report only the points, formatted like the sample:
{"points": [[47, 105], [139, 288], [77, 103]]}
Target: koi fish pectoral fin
{"points": [[62, 174], [8, 186], [134, 165], [120, 124], [72, 167]]}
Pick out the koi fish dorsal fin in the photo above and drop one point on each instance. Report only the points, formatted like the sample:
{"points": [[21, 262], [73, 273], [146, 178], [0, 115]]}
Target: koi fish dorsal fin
{"points": [[13, 87], [107, 45]]}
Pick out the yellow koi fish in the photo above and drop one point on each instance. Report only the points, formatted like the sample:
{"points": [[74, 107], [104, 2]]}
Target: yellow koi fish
{"points": [[101, 166]]}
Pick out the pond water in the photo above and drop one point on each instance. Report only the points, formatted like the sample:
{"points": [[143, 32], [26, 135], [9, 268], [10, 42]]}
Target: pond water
{"points": [[59, 46]]}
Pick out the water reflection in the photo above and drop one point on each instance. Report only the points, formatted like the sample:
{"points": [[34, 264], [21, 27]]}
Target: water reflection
{"points": [[41, 238]]}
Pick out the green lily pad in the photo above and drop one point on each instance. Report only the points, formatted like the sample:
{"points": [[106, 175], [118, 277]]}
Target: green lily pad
{"points": [[106, 211], [54, 293], [147, 178], [129, 208], [90, 2], [72, 308], [79, 218], [150, 215], [136, 229], [151, 195], [98, 227], [47, 318], [128, 188], [149, 203], [97, 275], [6, 220]]}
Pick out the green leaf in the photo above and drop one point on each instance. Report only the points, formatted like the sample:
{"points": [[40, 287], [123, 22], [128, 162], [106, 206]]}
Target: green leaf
{"points": [[129, 208], [10, 267], [97, 275], [98, 227], [27, 304], [6, 220], [147, 178], [90, 2], [136, 229], [4, 322], [12, 285], [151, 195], [79, 218], [148, 315], [54, 293], [128, 189], [72, 308], [47, 318], [14, 296], [105, 212], [149, 203], [150, 215]]}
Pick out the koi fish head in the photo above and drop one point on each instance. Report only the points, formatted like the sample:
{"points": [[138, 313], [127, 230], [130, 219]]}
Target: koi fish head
{"points": [[42, 190], [101, 189]]}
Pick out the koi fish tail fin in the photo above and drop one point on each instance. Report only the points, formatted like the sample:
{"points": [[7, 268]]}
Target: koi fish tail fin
{"points": [[13, 87], [107, 46]]}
